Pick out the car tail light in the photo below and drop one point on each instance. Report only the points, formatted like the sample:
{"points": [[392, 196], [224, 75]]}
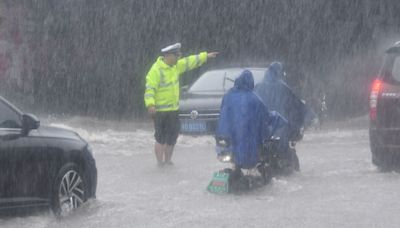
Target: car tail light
{"points": [[373, 98]]}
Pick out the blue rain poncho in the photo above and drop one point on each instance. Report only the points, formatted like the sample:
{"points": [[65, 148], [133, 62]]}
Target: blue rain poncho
{"points": [[245, 121], [277, 96]]}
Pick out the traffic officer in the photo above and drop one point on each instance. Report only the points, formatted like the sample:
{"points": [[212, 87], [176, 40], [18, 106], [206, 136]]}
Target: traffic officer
{"points": [[161, 96]]}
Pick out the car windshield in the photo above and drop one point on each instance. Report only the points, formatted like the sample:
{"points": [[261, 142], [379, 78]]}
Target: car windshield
{"points": [[222, 80]]}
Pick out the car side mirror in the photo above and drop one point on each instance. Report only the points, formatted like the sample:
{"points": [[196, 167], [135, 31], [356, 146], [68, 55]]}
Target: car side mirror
{"points": [[184, 90], [29, 122]]}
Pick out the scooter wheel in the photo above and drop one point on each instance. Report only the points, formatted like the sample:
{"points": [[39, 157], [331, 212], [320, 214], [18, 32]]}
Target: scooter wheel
{"points": [[242, 184], [296, 162], [266, 173]]}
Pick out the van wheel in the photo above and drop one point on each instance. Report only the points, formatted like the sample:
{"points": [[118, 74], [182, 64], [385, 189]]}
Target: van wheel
{"points": [[383, 160], [69, 190], [381, 157]]}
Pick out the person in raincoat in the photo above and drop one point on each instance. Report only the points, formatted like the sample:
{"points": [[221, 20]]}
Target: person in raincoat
{"points": [[277, 95], [244, 121]]}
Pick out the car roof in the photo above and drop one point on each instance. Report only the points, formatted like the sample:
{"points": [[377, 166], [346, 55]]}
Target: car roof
{"points": [[239, 68]]}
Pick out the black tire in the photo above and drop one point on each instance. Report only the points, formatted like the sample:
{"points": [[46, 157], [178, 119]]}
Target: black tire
{"points": [[287, 166], [296, 162], [266, 173], [243, 184], [237, 181], [382, 159], [69, 190]]}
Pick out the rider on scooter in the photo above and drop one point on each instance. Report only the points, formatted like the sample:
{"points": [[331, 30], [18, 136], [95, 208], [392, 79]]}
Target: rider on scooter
{"points": [[277, 95], [245, 122]]}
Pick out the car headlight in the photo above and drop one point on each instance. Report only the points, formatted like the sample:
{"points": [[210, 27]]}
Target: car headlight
{"points": [[225, 158]]}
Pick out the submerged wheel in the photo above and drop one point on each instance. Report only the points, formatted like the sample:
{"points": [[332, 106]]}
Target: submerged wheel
{"points": [[243, 184], [69, 191], [288, 166], [384, 160], [296, 162], [266, 173], [237, 181]]}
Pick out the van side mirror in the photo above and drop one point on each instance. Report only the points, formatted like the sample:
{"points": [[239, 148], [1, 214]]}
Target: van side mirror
{"points": [[29, 122]]}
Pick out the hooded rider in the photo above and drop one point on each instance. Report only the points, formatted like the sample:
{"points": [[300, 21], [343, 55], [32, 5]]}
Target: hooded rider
{"points": [[277, 95], [242, 119]]}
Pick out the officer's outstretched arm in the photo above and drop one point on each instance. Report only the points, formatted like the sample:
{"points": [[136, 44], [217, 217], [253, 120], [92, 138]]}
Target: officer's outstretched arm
{"points": [[191, 62]]}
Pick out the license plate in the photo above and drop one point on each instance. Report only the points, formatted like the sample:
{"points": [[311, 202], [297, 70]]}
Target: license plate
{"points": [[193, 126], [219, 183]]}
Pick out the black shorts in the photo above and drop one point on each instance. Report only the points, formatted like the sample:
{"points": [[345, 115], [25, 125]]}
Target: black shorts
{"points": [[167, 127]]}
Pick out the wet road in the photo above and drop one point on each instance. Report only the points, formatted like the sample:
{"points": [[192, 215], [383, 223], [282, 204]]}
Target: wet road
{"points": [[337, 186]]}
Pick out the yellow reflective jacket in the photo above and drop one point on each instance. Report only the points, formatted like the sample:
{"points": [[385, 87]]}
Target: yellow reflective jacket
{"points": [[162, 81]]}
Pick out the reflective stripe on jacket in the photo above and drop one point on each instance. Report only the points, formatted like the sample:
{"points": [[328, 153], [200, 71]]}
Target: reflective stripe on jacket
{"points": [[162, 81]]}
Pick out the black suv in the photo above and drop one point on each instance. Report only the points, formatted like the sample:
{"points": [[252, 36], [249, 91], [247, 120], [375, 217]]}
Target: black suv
{"points": [[42, 166], [384, 128]]}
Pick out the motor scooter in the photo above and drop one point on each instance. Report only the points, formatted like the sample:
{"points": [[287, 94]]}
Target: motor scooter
{"points": [[237, 179]]}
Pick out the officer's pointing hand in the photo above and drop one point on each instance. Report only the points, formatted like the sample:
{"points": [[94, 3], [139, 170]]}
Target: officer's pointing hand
{"points": [[212, 54]]}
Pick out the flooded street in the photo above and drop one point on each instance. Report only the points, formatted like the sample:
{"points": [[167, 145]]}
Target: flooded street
{"points": [[337, 186], [83, 65]]}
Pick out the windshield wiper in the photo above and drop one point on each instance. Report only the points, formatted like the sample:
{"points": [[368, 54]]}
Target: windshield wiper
{"points": [[226, 78]]}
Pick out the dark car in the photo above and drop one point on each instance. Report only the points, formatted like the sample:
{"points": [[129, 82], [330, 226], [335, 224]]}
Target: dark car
{"points": [[42, 166], [384, 128], [199, 105]]}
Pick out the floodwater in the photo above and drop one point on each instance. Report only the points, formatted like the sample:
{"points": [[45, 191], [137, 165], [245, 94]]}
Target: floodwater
{"points": [[337, 186]]}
